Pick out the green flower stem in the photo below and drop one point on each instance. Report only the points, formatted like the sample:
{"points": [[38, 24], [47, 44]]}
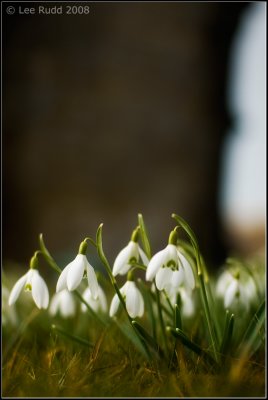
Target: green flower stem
{"points": [[138, 266], [144, 237], [162, 326], [148, 306], [114, 283], [201, 272], [89, 309], [168, 301], [208, 316], [47, 255]]}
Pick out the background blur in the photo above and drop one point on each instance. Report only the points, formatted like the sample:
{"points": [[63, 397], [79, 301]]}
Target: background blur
{"points": [[120, 111]]}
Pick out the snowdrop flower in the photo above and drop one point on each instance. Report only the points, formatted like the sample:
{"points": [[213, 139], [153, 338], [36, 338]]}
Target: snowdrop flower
{"points": [[72, 275], [236, 290], [62, 303], [34, 283], [133, 298], [9, 315], [129, 255], [186, 296], [99, 304], [170, 267]]}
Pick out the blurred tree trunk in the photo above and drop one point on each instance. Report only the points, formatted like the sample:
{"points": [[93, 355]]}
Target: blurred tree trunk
{"points": [[110, 114]]}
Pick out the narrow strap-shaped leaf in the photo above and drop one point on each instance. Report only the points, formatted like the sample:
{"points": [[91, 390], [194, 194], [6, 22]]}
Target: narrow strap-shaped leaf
{"points": [[148, 338], [144, 236], [177, 317], [74, 338], [134, 338], [191, 345], [253, 331], [227, 335]]}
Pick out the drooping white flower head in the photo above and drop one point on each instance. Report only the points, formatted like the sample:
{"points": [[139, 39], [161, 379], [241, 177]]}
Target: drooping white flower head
{"points": [[62, 303], [9, 315], [170, 267], [33, 282], [72, 275], [237, 289], [129, 255], [99, 304], [133, 298]]}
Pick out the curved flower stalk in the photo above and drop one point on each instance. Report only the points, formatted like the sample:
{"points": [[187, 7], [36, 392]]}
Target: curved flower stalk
{"points": [[236, 289], [129, 255], [99, 304], [62, 303], [34, 283], [170, 267], [133, 298], [72, 275], [9, 315]]}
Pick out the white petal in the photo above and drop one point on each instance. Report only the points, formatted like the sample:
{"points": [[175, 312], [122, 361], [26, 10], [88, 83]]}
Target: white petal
{"points": [[54, 304], [62, 281], [155, 263], [188, 272], [39, 290], [172, 292], [187, 303], [17, 288], [76, 271], [114, 305], [250, 289], [163, 278], [86, 296], [102, 300], [134, 301], [230, 293], [92, 281], [178, 278], [144, 258], [121, 263], [223, 282], [67, 304]]}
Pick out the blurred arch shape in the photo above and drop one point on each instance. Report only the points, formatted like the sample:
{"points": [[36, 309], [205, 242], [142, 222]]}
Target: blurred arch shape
{"points": [[243, 197]]}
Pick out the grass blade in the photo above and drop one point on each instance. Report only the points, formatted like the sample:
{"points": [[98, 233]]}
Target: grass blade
{"points": [[74, 338], [148, 338], [191, 345]]}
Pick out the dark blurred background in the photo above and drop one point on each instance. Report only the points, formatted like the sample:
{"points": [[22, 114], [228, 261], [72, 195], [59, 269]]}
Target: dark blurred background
{"points": [[113, 113]]}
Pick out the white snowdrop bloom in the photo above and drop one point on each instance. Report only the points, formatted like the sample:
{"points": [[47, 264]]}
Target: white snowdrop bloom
{"points": [[236, 290], [62, 303], [34, 283], [170, 267], [72, 275], [133, 298], [129, 255], [99, 304], [9, 315], [186, 296]]}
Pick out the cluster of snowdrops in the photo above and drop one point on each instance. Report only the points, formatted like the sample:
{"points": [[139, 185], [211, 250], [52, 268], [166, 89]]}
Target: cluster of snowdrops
{"points": [[172, 274]]}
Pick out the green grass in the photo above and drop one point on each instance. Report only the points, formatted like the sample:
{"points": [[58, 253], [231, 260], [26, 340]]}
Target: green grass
{"points": [[213, 353], [41, 362]]}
